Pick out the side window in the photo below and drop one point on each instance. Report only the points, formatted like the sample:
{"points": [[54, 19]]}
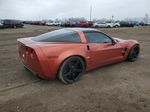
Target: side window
{"points": [[96, 37], [72, 37]]}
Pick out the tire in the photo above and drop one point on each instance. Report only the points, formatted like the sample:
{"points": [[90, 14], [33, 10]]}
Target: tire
{"points": [[116, 26], [134, 53], [14, 26], [71, 70]]}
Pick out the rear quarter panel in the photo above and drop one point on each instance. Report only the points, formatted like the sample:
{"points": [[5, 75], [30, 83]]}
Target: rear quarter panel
{"points": [[42, 69], [56, 54]]}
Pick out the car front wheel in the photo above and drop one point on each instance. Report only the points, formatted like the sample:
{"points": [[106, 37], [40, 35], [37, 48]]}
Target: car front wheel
{"points": [[116, 26], [71, 70], [134, 53]]}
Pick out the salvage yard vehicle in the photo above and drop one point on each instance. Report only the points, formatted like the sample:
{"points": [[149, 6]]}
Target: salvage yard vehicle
{"points": [[106, 24], [103, 25], [8, 23], [137, 23], [1, 26], [57, 23], [81, 24], [126, 24], [50, 23], [66, 23], [147, 24], [113, 24], [68, 53], [38, 23], [53, 23]]}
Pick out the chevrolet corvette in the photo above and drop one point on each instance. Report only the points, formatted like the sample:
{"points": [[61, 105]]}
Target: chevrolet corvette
{"points": [[68, 53]]}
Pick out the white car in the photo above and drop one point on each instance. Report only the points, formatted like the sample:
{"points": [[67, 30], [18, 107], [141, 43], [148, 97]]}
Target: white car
{"points": [[114, 24], [102, 25], [53, 23], [1, 25], [106, 25], [49, 24]]}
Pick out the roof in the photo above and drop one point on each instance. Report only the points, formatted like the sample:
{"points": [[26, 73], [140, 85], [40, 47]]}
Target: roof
{"points": [[82, 29]]}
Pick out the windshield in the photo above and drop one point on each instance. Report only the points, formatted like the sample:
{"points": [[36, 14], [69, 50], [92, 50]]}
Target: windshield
{"points": [[58, 36], [1, 21]]}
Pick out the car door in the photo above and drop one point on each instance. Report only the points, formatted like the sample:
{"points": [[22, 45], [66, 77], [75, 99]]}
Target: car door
{"points": [[103, 25], [102, 50], [100, 25]]}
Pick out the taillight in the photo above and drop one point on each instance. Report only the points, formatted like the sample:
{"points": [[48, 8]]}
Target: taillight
{"points": [[29, 52], [32, 55], [26, 51]]}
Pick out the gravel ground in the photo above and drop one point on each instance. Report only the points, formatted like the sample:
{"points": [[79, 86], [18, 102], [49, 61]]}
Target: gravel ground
{"points": [[121, 87]]}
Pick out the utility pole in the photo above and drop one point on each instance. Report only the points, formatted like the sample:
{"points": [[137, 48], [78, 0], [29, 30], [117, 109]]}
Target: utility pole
{"points": [[90, 12], [146, 18], [112, 18]]}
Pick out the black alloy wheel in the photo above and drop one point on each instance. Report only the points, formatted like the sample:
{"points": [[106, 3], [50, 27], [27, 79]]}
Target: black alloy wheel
{"points": [[134, 53], [71, 70]]}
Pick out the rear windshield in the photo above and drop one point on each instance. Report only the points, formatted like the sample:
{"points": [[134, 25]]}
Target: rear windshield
{"points": [[58, 36]]}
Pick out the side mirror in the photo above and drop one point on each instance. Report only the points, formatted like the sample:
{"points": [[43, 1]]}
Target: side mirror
{"points": [[114, 42]]}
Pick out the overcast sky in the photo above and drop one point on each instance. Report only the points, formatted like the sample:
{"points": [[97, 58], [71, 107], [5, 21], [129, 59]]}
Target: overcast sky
{"points": [[52, 9]]}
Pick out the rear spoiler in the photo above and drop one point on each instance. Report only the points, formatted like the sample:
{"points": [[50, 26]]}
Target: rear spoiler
{"points": [[27, 42]]}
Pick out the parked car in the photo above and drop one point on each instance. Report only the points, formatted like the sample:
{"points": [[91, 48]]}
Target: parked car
{"points": [[147, 24], [27, 22], [57, 23], [53, 23], [113, 24], [1, 26], [126, 24], [38, 23], [136, 23], [7, 23], [66, 24], [90, 23], [102, 25], [81, 24], [50, 23], [68, 53]]}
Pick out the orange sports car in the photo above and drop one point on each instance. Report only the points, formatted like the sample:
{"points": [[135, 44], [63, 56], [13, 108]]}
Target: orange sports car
{"points": [[68, 53]]}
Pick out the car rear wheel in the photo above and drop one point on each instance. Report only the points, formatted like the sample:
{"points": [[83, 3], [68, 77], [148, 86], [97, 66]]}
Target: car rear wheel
{"points": [[116, 26], [71, 70], [14, 26], [134, 53]]}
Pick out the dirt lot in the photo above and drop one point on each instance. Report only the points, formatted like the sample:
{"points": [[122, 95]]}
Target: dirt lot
{"points": [[121, 87]]}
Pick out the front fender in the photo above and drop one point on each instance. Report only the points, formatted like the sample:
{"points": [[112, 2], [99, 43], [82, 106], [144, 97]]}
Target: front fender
{"points": [[131, 43]]}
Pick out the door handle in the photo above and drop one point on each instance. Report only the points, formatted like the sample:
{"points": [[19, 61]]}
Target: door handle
{"points": [[88, 47]]}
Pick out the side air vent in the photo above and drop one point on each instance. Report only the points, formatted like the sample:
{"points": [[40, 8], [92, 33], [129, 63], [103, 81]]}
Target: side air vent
{"points": [[124, 51]]}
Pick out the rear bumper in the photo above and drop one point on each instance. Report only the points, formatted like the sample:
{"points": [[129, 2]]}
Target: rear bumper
{"points": [[42, 72], [34, 73], [37, 63]]}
